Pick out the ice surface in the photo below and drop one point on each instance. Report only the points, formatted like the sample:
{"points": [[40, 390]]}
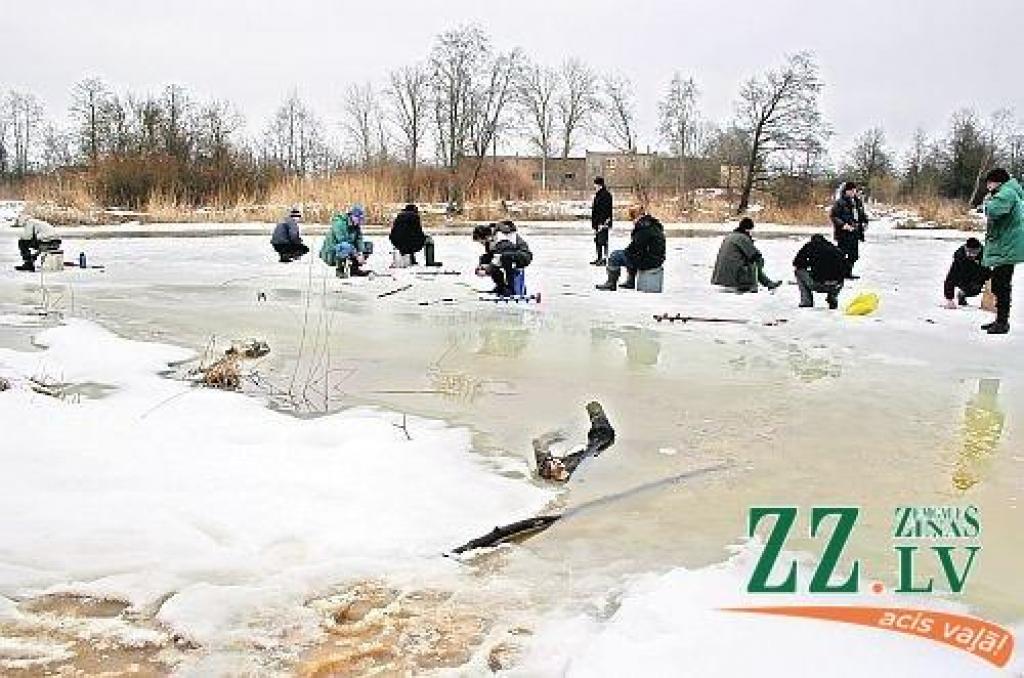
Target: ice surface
{"points": [[225, 514]]}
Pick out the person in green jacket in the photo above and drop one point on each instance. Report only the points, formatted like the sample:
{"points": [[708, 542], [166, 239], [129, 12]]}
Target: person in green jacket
{"points": [[1004, 241], [344, 241]]}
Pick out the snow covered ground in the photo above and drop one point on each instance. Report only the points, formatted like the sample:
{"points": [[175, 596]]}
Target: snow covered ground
{"points": [[222, 517]]}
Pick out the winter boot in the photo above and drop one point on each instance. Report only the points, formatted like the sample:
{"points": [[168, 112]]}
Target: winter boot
{"points": [[613, 281], [833, 303], [961, 298], [999, 328], [630, 283], [28, 266], [987, 326], [773, 284]]}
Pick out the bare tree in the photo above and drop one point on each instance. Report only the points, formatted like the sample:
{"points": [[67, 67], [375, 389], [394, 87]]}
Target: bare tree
{"points": [[870, 158], [57, 147], [679, 122], [489, 105], [577, 102], [619, 114], [537, 89], [294, 139], [779, 113], [409, 95], [217, 122], [455, 62], [997, 135], [363, 123], [25, 117], [89, 98]]}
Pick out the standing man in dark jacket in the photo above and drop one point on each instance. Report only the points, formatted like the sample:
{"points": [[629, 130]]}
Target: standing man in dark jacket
{"points": [[646, 250], [601, 221], [501, 241], [849, 221], [965, 273], [820, 267], [286, 240], [407, 232]]}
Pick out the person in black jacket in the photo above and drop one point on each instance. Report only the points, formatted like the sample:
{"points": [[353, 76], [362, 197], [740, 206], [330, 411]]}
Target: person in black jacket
{"points": [[646, 250], [849, 220], [966, 273], [407, 232], [601, 221], [501, 242], [820, 267]]}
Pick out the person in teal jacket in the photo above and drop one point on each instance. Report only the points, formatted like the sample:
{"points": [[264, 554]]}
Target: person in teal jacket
{"points": [[344, 241], [1004, 241]]}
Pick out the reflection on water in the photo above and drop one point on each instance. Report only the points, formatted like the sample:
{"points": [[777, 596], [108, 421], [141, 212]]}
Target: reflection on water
{"points": [[503, 341], [643, 347], [983, 427]]}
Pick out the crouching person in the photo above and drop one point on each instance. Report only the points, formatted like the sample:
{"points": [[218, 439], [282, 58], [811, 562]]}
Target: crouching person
{"points": [[344, 246], [407, 233], [37, 236], [820, 267], [966, 274], [505, 252], [740, 265], [286, 239], [646, 250]]}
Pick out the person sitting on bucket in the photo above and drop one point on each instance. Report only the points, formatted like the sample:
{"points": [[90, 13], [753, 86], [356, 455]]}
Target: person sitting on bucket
{"points": [[740, 265], [407, 233], [645, 251], [503, 242], [966, 273], [820, 266], [286, 240], [344, 241], [37, 236]]}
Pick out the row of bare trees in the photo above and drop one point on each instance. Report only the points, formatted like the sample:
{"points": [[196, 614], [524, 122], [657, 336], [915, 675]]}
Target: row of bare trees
{"points": [[452, 110]]}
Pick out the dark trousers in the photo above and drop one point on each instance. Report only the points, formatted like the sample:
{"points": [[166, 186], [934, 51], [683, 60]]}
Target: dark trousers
{"points": [[1002, 286], [601, 243], [503, 271], [850, 245], [26, 247], [807, 285], [967, 289], [291, 250]]}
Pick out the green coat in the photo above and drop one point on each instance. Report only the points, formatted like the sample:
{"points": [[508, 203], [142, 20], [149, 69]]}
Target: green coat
{"points": [[737, 262], [1004, 233], [340, 232]]}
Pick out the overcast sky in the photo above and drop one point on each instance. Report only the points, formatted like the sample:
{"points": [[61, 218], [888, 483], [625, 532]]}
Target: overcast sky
{"points": [[896, 63]]}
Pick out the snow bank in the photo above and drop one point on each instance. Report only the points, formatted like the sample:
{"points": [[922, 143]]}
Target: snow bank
{"points": [[672, 625], [206, 506]]}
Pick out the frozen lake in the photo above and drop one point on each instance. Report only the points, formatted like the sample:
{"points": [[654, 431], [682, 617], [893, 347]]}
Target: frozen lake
{"points": [[819, 409]]}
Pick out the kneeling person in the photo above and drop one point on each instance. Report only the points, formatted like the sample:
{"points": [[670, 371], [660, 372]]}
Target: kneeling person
{"points": [[820, 267], [503, 243], [966, 273], [407, 233], [740, 265], [344, 242], [37, 236], [646, 250], [286, 240]]}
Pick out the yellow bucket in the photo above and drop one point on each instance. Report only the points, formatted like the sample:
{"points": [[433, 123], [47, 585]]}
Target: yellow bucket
{"points": [[864, 303]]}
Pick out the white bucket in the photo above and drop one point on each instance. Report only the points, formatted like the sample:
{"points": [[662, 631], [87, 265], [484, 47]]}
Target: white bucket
{"points": [[52, 261]]}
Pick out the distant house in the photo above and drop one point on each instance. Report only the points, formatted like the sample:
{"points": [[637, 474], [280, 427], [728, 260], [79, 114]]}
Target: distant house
{"points": [[563, 174]]}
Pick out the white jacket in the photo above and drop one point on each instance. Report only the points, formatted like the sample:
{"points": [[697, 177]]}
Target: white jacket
{"points": [[37, 229]]}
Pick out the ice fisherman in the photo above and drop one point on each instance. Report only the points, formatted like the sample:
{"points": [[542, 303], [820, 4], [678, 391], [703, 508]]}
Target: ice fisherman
{"points": [[407, 232], [501, 241], [286, 239], [967, 276], [601, 220], [740, 265], [646, 250], [37, 236], [1004, 241], [820, 266], [849, 221], [344, 242]]}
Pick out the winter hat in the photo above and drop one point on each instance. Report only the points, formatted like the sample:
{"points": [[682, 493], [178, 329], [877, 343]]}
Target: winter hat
{"points": [[356, 213], [746, 225], [849, 186], [481, 232], [599, 181], [997, 176], [506, 226], [411, 208], [295, 213], [973, 244]]}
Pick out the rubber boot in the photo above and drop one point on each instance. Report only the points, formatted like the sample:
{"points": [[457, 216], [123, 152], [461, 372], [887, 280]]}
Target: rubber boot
{"points": [[630, 283], [999, 328], [29, 266], [613, 280]]}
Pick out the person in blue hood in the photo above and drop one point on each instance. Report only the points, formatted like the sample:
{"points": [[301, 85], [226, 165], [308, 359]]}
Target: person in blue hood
{"points": [[344, 241]]}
